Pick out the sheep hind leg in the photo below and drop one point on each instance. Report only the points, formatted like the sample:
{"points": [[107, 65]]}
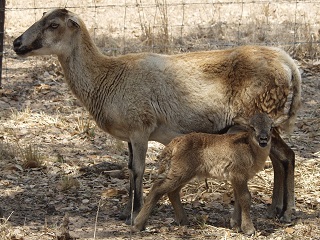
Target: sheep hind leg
{"points": [[156, 192], [180, 215], [158, 189], [283, 161]]}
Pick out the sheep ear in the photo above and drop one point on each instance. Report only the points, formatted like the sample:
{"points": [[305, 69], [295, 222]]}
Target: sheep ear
{"points": [[281, 119], [73, 22]]}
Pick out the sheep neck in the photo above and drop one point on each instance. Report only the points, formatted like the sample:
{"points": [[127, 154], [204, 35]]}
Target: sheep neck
{"points": [[81, 67]]}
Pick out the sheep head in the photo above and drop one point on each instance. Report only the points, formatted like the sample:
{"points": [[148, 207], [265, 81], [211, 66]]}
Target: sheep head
{"points": [[52, 34]]}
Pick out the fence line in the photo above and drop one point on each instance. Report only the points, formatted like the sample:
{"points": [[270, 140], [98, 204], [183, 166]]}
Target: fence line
{"points": [[2, 18], [167, 26], [182, 3]]}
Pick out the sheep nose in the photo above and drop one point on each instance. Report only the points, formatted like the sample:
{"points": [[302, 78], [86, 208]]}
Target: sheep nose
{"points": [[263, 139], [17, 43]]}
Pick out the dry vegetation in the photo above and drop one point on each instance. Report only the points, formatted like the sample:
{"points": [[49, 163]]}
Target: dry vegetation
{"points": [[63, 178]]}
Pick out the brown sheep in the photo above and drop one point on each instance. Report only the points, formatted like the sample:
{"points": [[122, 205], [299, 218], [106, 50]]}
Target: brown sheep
{"points": [[235, 157], [142, 97]]}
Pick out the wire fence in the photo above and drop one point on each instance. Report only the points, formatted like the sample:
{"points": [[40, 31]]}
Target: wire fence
{"points": [[170, 26]]}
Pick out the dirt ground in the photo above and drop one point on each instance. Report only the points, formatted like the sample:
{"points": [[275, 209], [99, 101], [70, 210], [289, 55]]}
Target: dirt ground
{"points": [[81, 186]]}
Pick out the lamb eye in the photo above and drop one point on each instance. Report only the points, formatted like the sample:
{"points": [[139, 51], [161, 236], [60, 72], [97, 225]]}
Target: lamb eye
{"points": [[54, 25]]}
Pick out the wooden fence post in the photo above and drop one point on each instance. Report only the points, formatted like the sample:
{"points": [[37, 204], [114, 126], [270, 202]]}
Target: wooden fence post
{"points": [[2, 12]]}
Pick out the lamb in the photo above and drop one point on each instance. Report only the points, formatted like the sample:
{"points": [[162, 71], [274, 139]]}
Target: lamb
{"points": [[143, 97], [236, 157]]}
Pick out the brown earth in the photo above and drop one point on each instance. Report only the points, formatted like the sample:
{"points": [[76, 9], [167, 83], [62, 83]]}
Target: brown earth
{"points": [[81, 185]]}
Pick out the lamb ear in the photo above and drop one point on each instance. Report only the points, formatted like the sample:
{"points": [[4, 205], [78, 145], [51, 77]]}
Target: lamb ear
{"points": [[73, 22], [281, 119], [241, 121]]}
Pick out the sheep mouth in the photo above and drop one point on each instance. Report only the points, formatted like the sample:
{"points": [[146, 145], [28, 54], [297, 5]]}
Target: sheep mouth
{"points": [[25, 50], [263, 144], [22, 51]]}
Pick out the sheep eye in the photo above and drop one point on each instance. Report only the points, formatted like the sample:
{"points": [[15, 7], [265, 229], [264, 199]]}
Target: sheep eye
{"points": [[54, 25]]}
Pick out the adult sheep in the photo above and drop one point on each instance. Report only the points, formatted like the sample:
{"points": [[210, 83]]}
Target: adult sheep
{"points": [[143, 97]]}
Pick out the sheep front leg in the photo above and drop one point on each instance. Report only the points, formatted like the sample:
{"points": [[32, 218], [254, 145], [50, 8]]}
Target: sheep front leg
{"points": [[235, 221], [127, 211], [137, 155], [243, 197], [283, 161]]}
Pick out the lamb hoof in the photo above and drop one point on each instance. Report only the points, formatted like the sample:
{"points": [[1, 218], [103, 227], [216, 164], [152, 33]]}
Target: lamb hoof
{"points": [[233, 223], [135, 229], [248, 230]]}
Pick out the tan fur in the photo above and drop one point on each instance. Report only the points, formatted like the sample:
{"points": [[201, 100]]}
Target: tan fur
{"points": [[145, 96], [236, 157]]}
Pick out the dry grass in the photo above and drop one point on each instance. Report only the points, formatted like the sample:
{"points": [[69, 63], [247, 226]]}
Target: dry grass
{"points": [[5, 231], [7, 151], [31, 156], [58, 133], [168, 26], [68, 183], [39, 112], [85, 125]]}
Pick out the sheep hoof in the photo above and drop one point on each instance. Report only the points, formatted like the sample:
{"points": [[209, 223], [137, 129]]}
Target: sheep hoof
{"points": [[276, 212], [128, 221], [125, 214], [273, 212], [183, 222], [286, 218], [131, 221]]}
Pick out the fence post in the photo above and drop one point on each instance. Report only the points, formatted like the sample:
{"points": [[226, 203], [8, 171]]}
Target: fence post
{"points": [[2, 11]]}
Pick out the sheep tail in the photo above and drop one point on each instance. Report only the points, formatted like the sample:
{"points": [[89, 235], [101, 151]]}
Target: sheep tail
{"points": [[296, 98]]}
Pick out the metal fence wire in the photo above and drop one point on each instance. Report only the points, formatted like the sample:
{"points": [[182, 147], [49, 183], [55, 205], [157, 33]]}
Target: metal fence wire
{"points": [[171, 26]]}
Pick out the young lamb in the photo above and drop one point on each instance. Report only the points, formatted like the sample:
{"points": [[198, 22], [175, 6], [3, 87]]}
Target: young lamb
{"points": [[142, 97], [236, 157]]}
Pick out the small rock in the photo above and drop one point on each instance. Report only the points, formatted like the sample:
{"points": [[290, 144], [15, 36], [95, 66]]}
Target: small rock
{"points": [[4, 105], [46, 74]]}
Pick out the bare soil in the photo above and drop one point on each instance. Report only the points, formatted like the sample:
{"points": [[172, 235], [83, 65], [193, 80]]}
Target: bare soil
{"points": [[81, 186], [38, 109]]}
